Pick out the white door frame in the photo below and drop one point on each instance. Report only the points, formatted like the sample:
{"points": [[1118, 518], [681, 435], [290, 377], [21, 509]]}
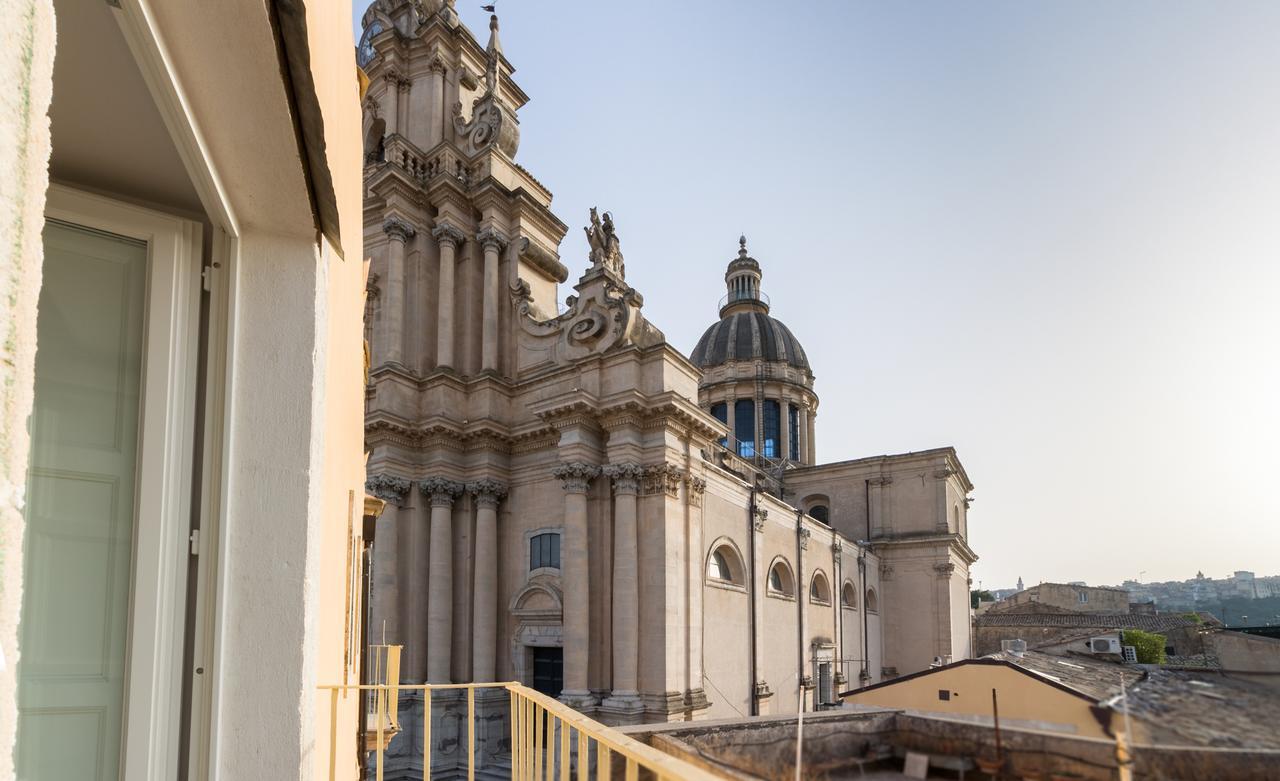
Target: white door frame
{"points": [[157, 602]]}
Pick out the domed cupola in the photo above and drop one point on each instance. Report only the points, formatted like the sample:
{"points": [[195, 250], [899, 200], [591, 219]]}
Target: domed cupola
{"points": [[755, 375]]}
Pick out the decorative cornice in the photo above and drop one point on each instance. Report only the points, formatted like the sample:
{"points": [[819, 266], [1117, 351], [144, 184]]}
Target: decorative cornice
{"points": [[487, 492], [625, 477], [663, 478], [488, 237], [387, 487], [448, 233], [398, 228], [441, 490], [576, 476]]}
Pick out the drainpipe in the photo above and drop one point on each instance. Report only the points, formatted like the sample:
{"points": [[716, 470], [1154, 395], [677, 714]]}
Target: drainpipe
{"points": [[751, 598], [802, 596], [865, 675]]}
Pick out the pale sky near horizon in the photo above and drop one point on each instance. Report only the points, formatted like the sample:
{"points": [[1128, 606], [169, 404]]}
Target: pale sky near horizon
{"points": [[1044, 233]]}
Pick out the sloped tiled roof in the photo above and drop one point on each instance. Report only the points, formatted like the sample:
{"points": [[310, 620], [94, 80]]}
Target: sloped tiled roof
{"points": [[1148, 623], [1091, 677], [1206, 709]]}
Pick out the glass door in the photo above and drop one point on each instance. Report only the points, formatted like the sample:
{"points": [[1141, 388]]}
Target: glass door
{"points": [[81, 505]]}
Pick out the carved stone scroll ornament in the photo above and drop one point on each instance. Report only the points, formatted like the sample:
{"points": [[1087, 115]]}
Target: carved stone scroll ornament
{"points": [[388, 488], [604, 314], [576, 476]]}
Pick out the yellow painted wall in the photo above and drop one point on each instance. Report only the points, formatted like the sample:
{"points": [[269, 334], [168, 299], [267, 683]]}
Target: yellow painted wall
{"points": [[1036, 704]]}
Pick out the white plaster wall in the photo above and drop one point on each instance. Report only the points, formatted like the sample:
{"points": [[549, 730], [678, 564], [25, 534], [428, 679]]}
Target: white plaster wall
{"points": [[271, 554], [26, 66]]}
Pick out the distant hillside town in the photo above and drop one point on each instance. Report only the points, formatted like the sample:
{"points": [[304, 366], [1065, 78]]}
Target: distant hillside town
{"points": [[1243, 599]]}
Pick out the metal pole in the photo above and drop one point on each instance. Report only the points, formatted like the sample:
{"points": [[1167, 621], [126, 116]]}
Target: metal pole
{"points": [[995, 714]]}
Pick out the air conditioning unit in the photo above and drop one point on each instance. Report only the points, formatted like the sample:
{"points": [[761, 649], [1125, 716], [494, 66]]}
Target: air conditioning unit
{"points": [[1015, 647], [1104, 645]]}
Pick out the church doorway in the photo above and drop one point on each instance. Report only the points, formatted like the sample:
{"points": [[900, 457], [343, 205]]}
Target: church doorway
{"points": [[548, 670]]}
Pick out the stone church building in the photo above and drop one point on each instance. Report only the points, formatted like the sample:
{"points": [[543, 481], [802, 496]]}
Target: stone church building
{"points": [[574, 502]]}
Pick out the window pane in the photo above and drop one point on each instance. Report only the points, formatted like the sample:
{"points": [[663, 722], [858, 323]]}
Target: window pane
{"points": [[80, 505], [744, 426], [721, 413], [772, 432], [554, 557]]}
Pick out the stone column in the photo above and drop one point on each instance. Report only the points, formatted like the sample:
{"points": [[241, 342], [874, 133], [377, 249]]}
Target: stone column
{"points": [[811, 449], [875, 497], [392, 109], [398, 232], [442, 493], [784, 426], [626, 593], [493, 243], [383, 616], [729, 421], [450, 238], [413, 586], [436, 114], [484, 646], [576, 582]]}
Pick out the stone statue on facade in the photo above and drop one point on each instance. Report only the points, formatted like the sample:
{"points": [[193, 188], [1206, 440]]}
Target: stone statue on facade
{"points": [[606, 251]]}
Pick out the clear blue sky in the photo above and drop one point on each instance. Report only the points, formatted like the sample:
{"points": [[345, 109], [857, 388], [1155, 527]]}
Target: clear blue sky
{"points": [[1044, 233]]}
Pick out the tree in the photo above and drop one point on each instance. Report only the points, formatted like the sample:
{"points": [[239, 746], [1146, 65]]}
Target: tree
{"points": [[979, 595], [1148, 645]]}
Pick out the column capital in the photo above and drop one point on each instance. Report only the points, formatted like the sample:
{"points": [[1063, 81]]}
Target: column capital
{"points": [[625, 476], [661, 478], [805, 534], [442, 491], [488, 237], [448, 233], [944, 571], [398, 228], [577, 476], [487, 492], [761, 515], [437, 63], [388, 488]]}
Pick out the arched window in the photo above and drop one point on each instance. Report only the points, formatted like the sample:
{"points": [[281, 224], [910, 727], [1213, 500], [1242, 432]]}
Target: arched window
{"points": [[544, 551], [819, 513], [724, 565], [780, 582], [819, 591], [871, 601], [849, 596]]}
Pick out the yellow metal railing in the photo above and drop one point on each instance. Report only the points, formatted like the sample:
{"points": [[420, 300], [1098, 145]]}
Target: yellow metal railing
{"points": [[549, 740]]}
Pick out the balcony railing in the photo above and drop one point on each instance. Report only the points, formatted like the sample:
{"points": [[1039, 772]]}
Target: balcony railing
{"points": [[548, 739], [744, 295]]}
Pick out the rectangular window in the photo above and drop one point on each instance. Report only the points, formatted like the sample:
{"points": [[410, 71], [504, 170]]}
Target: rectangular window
{"points": [[721, 413], [744, 427], [944, 694], [544, 551], [772, 428], [793, 428]]}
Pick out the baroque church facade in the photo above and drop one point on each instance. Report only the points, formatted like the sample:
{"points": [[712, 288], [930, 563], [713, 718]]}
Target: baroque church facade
{"points": [[574, 503]]}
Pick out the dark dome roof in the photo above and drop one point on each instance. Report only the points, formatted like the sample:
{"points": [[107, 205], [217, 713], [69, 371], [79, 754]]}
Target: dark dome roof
{"points": [[746, 336]]}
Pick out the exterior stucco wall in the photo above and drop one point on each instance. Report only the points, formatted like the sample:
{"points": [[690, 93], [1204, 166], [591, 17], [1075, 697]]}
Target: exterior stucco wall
{"points": [[26, 65], [1024, 702], [1068, 597]]}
